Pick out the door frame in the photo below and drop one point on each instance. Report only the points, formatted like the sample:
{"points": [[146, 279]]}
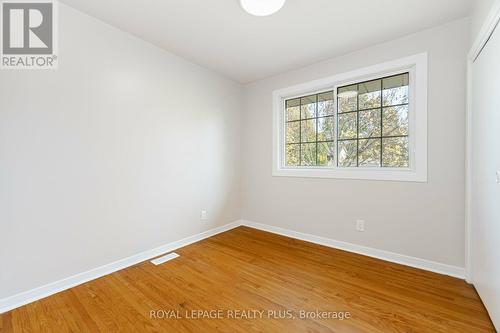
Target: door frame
{"points": [[490, 24]]}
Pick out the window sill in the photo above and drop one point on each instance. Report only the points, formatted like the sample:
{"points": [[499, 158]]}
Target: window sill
{"points": [[400, 175]]}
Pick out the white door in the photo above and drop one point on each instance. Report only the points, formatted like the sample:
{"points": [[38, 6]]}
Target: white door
{"points": [[485, 194]]}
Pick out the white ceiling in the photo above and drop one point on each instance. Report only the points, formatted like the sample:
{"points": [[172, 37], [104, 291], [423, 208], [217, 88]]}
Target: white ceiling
{"points": [[219, 35]]}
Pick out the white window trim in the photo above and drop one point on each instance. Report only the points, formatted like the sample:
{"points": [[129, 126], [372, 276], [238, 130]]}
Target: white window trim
{"points": [[417, 67]]}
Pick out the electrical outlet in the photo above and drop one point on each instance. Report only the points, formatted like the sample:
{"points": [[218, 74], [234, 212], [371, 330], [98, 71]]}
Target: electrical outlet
{"points": [[360, 225], [203, 215], [498, 177]]}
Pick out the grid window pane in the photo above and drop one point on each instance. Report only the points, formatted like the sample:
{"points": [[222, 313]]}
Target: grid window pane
{"points": [[292, 157], [308, 130], [293, 109], [308, 154], [395, 121], [396, 96], [326, 153], [369, 123], [308, 107], [293, 132], [347, 153], [348, 98], [325, 104], [348, 125], [372, 115], [395, 81], [395, 90], [395, 152], [370, 95], [326, 128], [369, 153]]}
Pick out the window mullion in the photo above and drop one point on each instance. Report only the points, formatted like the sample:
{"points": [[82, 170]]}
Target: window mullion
{"points": [[357, 126], [317, 117], [381, 122], [300, 131], [336, 129]]}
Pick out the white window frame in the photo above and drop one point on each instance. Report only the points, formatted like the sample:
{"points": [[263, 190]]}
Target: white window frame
{"points": [[416, 66]]}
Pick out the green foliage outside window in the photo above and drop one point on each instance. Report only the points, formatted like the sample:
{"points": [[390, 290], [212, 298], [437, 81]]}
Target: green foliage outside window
{"points": [[372, 128]]}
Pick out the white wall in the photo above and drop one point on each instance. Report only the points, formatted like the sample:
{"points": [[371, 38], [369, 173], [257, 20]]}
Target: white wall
{"points": [[480, 11], [423, 220], [114, 153]]}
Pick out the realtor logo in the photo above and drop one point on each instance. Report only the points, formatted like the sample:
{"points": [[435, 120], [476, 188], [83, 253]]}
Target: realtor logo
{"points": [[28, 34]]}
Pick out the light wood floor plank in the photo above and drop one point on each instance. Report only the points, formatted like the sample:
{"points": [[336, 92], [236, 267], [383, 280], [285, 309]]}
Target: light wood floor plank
{"points": [[248, 269]]}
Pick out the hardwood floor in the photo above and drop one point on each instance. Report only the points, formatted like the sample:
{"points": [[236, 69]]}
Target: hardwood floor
{"points": [[249, 270]]}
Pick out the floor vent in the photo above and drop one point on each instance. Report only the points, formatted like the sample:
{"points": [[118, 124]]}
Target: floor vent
{"points": [[165, 258]]}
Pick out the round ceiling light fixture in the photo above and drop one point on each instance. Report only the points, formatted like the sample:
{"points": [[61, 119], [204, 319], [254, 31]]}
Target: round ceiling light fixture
{"points": [[262, 7]]}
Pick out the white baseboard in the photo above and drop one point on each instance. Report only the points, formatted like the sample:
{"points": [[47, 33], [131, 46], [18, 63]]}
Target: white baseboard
{"points": [[12, 302], [458, 272]]}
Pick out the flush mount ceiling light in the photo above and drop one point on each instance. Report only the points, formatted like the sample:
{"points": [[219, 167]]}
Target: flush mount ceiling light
{"points": [[262, 7]]}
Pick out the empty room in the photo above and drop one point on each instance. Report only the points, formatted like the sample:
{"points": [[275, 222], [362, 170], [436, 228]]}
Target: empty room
{"points": [[250, 166]]}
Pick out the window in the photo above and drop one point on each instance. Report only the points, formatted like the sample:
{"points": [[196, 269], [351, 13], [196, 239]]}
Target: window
{"points": [[310, 123], [372, 126], [367, 124], [373, 123]]}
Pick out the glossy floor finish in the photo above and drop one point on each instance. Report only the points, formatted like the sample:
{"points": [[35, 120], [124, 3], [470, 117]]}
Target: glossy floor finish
{"points": [[223, 282]]}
